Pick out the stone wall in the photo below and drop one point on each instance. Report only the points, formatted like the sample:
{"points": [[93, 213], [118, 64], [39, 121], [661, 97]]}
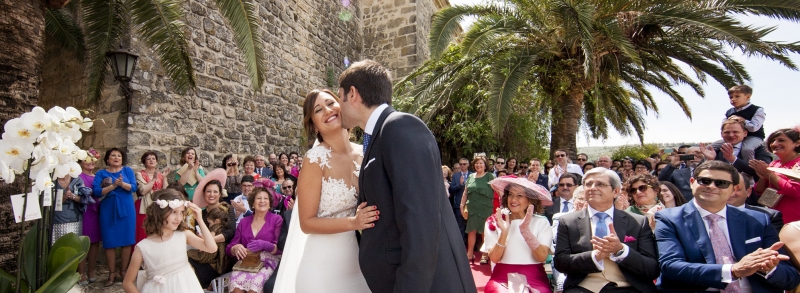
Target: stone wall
{"points": [[396, 32]]}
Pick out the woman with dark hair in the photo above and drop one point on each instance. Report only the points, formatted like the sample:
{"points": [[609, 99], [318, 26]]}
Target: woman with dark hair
{"points": [[518, 238], [660, 166], [149, 180], [536, 175], [642, 167], [91, 219], [645, 194], [279, 176], [294, 164], [114, 186], [283, 158], [211, 189], [511, 166], [190, 172], [785, 144], [671, 195], [626, 169], [547, 166], [233, 183], [588, 166], [249, 167], [476, 204]]}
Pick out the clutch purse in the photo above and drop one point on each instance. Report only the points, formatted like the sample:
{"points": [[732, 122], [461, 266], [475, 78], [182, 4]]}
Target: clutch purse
{"points": [[770, 198], [251, 263]]}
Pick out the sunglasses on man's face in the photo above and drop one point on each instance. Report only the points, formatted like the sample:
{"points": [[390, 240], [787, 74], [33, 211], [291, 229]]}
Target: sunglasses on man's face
{"points": [[567, 185], [287, 187], [500, 163], [463, 164], [581, 159], [561, 155], [719, 183]]}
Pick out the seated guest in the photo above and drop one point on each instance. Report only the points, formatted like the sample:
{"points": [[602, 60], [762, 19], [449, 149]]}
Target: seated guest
{"points": [[256, 234], [785, 144], [644, 190], [579, 198], [620, 256], [670, 195], [660, 166], [233, 183], [680, 176], [563, 202], [733, 133], [521, 242], [262, 169], [704, 245], [249, 167], [740, 194], [269, 286], [239, 203], [626, 170]]}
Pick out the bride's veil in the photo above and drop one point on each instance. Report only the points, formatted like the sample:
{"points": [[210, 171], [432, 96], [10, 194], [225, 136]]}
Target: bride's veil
{"points": [[292, 252]]}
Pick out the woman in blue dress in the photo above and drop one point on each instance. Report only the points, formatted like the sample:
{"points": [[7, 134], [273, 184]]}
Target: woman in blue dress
{"points": [[115, 186]]}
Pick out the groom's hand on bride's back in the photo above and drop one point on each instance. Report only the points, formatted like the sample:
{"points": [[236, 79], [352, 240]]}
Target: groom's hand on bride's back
{"points": [[365, 216]]}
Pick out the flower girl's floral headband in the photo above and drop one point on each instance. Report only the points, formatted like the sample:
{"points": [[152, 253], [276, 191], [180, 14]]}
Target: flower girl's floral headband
{"points": [[173, 204]]}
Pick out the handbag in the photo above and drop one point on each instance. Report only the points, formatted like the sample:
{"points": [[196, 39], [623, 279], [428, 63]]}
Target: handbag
{"points": [[770, 198]]}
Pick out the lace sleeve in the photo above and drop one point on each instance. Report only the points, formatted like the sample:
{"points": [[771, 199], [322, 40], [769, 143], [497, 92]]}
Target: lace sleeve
{"points": [[319, 155]]}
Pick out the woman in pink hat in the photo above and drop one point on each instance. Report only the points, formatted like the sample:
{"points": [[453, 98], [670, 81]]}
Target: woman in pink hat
{"points": [[517, 237]]}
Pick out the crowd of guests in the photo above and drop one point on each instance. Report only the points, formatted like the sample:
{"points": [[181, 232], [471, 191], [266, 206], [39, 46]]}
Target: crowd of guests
{"points": [[240, 208]]}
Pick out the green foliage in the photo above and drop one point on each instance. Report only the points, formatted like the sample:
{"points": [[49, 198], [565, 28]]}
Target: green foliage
{"points": [[638, 151], [59, 24], [602, 58], [61, 263]]}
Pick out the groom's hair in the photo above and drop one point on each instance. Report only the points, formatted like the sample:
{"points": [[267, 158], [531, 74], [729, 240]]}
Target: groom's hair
{"points": [[372, 81]]}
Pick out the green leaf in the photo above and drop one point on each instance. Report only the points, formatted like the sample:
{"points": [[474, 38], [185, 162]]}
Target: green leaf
{"points": [[160, 24], [62, 283], [506, 80], [60, 25], [243, 18], [28, 253], [104, 24], [63, 249]]}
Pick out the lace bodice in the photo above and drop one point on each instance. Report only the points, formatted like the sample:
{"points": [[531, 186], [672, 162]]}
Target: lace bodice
{"points": [[338, 199]]}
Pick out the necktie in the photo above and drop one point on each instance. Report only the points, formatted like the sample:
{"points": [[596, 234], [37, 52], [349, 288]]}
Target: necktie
{"points": [[600, 229], [722, 250], [565, 207], [365, 142], [258, 170]]}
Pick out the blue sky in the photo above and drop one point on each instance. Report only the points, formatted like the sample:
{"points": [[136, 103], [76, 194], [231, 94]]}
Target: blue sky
{"points": [[774, 87]]}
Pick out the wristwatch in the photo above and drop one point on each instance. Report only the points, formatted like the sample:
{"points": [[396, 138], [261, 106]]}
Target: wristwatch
{"points": [[619, 253]]}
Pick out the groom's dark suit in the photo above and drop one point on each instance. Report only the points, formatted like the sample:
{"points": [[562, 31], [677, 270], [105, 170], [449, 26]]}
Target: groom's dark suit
{"points": [[415, 245]]}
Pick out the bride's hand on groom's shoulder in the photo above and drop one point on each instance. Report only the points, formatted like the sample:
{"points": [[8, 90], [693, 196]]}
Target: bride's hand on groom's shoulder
{"points": [[365, 217]]}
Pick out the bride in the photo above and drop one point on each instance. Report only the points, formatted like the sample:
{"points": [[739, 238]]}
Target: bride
{"points": [[321, 252]]}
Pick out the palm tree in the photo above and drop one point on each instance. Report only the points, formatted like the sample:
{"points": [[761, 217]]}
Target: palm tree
{"points": [[597, 61], [160, 25]]}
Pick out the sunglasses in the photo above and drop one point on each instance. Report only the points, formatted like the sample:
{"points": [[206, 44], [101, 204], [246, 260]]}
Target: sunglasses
{"points": [[565, 185], [463, 164], [581, 159], [717, 182], [287, 187], [560, 155], [641, 188], [500, 163]]}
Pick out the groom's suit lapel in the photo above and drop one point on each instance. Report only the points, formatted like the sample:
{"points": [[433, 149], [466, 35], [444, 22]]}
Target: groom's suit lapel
{"points": [[365, 161]]}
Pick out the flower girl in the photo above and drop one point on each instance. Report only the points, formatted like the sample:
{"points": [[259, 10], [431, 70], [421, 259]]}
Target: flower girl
{"points": [[163, 253]]}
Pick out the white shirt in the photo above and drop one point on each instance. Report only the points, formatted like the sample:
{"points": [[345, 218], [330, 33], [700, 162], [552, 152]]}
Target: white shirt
{"points": [[609, 220], [517, 251], [373, 118], [723, 225], [568, 203], [755, 123], [571, 168]]}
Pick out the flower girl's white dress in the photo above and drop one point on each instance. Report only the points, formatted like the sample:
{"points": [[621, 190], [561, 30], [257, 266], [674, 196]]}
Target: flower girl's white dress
{"points": [[167, 267]]}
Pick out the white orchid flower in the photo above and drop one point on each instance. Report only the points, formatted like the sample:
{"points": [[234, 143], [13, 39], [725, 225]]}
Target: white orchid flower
{"points": [[38, 119], [81, 155], [44, 183], [58, 114], [73, 114], [15, 129], [51, 139], [47, 163], [74, 169], [61, 171], [87, 124], [6, 174], [15, 152]]}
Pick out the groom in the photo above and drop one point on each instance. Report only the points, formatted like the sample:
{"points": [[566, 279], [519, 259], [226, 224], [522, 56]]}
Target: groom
{"points": [[415, 245]]}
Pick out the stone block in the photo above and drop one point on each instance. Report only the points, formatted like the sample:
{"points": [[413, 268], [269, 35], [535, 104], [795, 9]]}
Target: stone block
{"points": [[138, 138], [191, 140], [407, 30], [409, 50]]}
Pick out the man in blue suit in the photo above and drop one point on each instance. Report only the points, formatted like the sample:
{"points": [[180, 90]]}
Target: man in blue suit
{"points": [[456, 189], [680, 175], [705, 245]]}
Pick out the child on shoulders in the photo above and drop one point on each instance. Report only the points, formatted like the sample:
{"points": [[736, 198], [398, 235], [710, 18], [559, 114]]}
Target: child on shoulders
{"points": [[753, 117]]}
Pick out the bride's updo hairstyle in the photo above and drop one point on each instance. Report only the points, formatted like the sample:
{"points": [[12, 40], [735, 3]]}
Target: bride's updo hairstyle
{"points": [[156, 216], [308, 111]]}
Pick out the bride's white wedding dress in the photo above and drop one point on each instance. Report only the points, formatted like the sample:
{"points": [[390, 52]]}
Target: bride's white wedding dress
{"points": [[323, 262]]}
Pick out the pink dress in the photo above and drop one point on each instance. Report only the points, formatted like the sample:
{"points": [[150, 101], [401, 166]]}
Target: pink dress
{"points": [[91, 218], [790, 203]]}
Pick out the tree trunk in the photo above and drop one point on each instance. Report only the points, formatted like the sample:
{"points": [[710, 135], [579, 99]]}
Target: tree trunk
{"points": [[566, 116], [21, 55]]}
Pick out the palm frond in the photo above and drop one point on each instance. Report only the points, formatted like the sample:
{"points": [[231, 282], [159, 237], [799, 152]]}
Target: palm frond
{"points": [[507, 76], [160, 25], [581, 16], [445, 26], [104, 24], [243, 18], [60, 24], [777, 9]]}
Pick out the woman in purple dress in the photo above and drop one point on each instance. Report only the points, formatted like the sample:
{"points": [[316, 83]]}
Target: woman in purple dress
{"points": [[267, 227], [91, 219]]}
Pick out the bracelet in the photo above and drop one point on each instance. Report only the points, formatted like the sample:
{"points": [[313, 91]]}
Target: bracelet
{"points": [[498, 244]]}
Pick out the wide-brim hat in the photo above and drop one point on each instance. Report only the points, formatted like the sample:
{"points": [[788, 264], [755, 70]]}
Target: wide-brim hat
{"points": [[217, 174], [532, 190], [793, 173]]}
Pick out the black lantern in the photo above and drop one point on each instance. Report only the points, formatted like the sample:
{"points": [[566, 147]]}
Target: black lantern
{"points": [[122, 64]]}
